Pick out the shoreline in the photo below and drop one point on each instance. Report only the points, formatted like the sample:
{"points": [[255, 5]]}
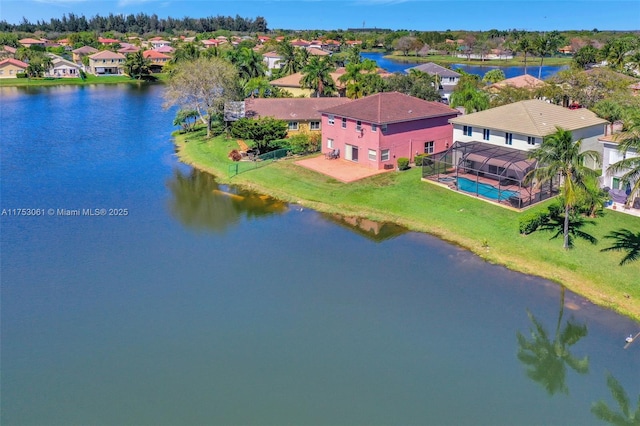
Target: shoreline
{"points": [[618, 301]]}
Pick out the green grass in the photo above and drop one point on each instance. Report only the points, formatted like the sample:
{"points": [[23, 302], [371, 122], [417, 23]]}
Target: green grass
{"points": [[402, 197], [532, 62], [91, 79]]}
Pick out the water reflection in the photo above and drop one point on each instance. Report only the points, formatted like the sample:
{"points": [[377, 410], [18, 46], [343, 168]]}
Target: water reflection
{"points": [[626, 417], [546, 360], [200, 203], [372, 230]]}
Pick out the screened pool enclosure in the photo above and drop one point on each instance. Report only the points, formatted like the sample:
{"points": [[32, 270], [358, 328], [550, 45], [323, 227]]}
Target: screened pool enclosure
{"points": [[488, 171]]}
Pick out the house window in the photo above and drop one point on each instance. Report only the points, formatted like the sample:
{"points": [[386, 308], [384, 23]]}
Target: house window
{"points": [[384, 128], [384, 155], [344, 123], [452, 79], [358, 126], [508, 138], [1, 72], [330, 143], [374, 128], [467, 130], [615, 183], [428, 147], [531, 140], [331, 119], [373, 155], [314, 125], [485, 134], [293, 125]]}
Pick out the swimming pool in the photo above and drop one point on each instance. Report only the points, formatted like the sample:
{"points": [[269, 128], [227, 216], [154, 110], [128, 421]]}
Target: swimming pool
{"points": [[484, 190]]}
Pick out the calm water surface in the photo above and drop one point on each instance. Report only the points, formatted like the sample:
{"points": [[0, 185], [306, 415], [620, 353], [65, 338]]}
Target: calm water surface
{"points": [[201, 307], [509, 72]]}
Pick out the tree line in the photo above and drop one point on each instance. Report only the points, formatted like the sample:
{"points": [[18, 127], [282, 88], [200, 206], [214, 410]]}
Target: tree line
{"points": [[140, 23]]}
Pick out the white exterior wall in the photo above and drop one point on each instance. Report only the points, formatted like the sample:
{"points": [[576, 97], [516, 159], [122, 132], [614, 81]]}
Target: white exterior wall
{"points": [[496, 137], [590, 142], [610, 156]]}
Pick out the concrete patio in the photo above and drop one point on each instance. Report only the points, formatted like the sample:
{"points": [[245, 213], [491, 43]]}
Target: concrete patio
{"points": [[339, 169]]}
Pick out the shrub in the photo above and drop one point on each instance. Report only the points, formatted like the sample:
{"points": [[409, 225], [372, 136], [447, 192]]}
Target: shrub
{"points": [[235, 155], [263, 131], [21, 75], [422, 159], [531, 221], [403, 163], [302, 143]]}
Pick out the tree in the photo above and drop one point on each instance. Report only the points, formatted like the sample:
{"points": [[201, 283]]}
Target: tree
{"points": [[524, 45], [186, 119], [289, 63], [404, 44], [202, 85], [493, 76], [604, 413], [356, 79], [585, 56], [262, 131], [546, 359], [546, 44], [559, 155], [418, 84], [555, 223], [609, 110], [316, 75], [625, 240], [629, 141], [247, 61], [137, 66], [470, 98]]}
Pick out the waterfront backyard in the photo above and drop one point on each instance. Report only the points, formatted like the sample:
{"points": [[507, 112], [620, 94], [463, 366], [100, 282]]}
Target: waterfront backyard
{"points": [[488, 230]]}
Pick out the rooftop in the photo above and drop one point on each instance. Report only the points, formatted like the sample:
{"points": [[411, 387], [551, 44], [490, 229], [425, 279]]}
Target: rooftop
{"points": [[390, 107], [291, 108], [433, 69]]}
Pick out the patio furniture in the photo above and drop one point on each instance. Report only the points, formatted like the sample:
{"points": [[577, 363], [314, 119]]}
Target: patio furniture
{"points": [[333, 154]]}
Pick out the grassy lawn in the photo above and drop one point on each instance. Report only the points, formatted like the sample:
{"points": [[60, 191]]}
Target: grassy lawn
{"points": [[486, 229], [91, 79], [532, 62]]}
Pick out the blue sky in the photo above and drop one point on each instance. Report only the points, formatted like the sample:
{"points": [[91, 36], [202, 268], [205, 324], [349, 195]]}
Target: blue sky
{"points": [[421, 15]]}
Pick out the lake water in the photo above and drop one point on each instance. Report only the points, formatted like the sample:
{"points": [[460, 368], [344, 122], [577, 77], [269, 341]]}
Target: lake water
{"points": [[509, 72], [200, 307]]}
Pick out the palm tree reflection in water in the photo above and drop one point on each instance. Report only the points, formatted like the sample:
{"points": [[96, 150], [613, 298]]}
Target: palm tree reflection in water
{"points": [[546, 359]]}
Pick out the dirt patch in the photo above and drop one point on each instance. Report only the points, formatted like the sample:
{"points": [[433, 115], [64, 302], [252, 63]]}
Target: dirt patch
{"points": [[243, 146]]}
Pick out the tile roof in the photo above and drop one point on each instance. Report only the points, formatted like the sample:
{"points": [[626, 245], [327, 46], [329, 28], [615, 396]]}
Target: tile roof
{"points": [[291, 108], [11, 61], [522, 81], [532, 117], [9, 49], [317, 52], [272, 55], [154, 54], [30, 41], [107, 54], [165, 49], [431, 68], [390, 107], [85, 50], [291, 80]]}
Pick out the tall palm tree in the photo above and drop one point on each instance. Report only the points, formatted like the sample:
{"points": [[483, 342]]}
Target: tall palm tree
{"points": [[546, 359], [354, 77], [316, 75], [559, 155], [629, 166], [472, 99], [247, 61], [602, 411], [137, 66], [546, 44], [525, 46], [289, 62], [625, 240], [609, 110]]}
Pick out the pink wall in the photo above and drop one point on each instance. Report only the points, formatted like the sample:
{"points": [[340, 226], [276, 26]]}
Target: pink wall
{"points": [[401, 139]]}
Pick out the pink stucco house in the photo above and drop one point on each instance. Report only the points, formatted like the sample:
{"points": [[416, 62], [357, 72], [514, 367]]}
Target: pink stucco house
{"points": [[377, 130]]}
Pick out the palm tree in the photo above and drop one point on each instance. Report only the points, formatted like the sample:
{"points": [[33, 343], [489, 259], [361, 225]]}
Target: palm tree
{"points": [[546, 359], [629, 166], [559, 155], [289, 63], [546, 44], [137, 66], [625, 240], [354, 77], [472, 99], [525, 46], [247, 61], [316, 75], [609, 110], [603, 412]]}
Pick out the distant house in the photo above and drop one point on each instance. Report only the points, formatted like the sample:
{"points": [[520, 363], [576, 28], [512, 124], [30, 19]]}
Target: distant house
{"points": [[63, 68], [129, 48], [521, 82], [158, 60], [301, 114], [448, 78], [106, 63], [377, 130], [28, 42], [81, 52], [522, 125], [156, 44], [292, 83], [315, 51], [272, 61], [10, 67], [7, 52], [107, 41]]}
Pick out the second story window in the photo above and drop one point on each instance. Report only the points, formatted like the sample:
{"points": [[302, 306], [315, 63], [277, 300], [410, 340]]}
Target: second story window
{"points": [[467, 130], [331, 120], [485, 134], [358, 125], [508, 138], [344, 123], [531, 140]]}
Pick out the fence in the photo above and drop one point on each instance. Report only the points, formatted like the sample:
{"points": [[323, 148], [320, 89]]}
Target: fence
{"points": [[259, 161]]}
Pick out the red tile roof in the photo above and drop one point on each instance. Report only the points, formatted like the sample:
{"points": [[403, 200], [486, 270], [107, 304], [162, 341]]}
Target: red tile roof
{"points": [[291, 108], [11, 61], [108, 40], [107, 54], [154, 54], [390, 107]]}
